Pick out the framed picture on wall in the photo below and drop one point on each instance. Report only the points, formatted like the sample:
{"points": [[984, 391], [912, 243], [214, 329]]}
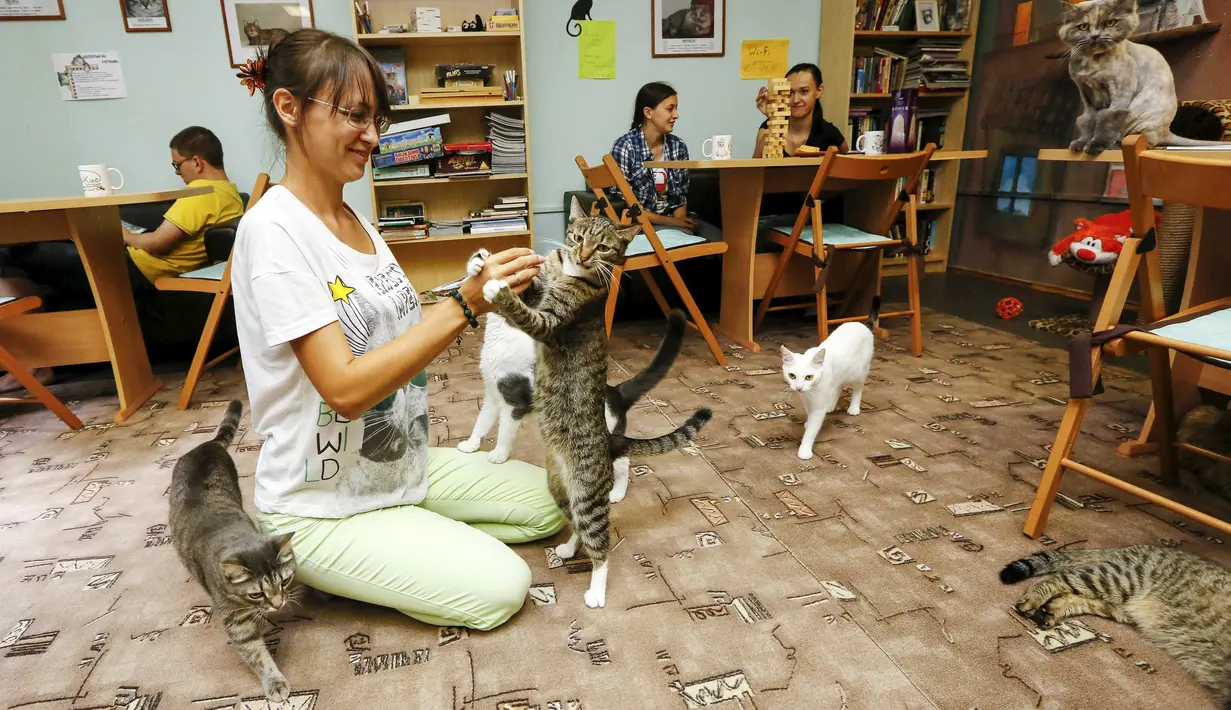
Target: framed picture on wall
{"points": [[689, 28], [32, 10], [252, 25], [146, 15]]}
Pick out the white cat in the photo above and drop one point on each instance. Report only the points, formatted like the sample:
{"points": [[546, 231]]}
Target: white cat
{"points": [[819, 374]]}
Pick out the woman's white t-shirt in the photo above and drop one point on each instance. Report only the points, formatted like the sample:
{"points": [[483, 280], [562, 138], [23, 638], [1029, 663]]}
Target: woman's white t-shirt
{"points": [[292, 276]]}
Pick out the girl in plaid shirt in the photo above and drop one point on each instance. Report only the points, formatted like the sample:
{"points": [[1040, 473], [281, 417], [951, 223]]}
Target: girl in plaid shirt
{"points": [[651, 138]]}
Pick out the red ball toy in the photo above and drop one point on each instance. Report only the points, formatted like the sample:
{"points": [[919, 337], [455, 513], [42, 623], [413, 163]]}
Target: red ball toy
{"points": [[1009, 308]]}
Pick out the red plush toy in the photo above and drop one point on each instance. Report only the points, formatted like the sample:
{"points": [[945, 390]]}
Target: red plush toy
{"points": [[1098, 241]]}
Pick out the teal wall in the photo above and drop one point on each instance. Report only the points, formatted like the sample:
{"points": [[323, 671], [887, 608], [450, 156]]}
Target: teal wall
{"points": [[571, 116], [183, 77], [174, 79]]}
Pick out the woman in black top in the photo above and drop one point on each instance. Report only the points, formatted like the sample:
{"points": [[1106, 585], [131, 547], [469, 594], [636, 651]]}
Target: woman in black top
{"points": [[808, 125]]}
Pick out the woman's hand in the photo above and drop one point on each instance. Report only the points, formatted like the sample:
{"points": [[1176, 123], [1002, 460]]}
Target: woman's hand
{"points": [[516, 267], [763, 101]]}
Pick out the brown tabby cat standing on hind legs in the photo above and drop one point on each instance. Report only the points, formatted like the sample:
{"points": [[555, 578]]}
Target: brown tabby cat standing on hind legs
{"points": [[570, 385], [1180, 602], [1126, 88], [247, 574]]}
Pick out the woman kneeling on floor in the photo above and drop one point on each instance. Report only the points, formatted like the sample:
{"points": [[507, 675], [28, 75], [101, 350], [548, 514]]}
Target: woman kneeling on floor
{"points": [[335, 347]]}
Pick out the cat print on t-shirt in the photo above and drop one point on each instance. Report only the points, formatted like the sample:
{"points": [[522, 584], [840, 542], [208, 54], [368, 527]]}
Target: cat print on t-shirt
{"points": [[373, 310]]}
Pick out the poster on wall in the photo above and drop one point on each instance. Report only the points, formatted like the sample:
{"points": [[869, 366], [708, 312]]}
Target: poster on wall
{"points": [[146, 15], [31, 9], [89, 75], [689, 28], [253, 25]]}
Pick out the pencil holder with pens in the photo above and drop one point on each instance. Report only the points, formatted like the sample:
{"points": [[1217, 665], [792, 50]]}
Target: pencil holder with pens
{"points": [[510, 86]]}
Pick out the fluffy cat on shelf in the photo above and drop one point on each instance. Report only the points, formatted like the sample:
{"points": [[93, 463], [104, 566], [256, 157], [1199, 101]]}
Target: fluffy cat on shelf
{"points": [[820, 373]]}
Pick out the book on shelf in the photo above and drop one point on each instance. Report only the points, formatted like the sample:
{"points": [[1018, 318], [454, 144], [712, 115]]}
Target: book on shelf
{"points": [[901, 138], [931, 128], [877, 71], [863, 119], [409, 171], [925, 232], [891, 15], [464, 164], [497, 226], [393, 65], [440, 119], [507, 136]]}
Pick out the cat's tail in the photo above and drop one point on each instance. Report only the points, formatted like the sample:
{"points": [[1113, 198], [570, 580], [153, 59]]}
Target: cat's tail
{"points": [[1032, 566], [1172, 139], [230, 422], [635, 387], [622, 446], [875, 313], [569, 24]]}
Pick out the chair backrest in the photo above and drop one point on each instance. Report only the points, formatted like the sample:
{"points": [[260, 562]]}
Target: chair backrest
{"points": [[848, 171], [1198, 181], [219, 239], [262, 184], [600, 178]]}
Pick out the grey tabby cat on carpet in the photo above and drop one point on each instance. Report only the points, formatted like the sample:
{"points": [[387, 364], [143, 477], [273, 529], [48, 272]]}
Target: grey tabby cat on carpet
{"points": [[1126, 88], [1210, 428], [247, 574], [1180, 602], [571, 381]]}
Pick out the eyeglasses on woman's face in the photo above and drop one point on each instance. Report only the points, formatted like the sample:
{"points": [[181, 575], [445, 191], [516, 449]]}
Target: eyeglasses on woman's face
{"points": [[359, 117]]}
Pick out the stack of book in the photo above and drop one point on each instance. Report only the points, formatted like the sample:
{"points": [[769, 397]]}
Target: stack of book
{"points": [[447, 227], [877, 71], [934, 66], [507, 214], [405, 150], [402, 227], [931, 128], [508, 141]]}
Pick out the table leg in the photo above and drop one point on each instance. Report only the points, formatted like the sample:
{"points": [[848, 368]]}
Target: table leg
{"points": [[95, 230], [741, 206]]}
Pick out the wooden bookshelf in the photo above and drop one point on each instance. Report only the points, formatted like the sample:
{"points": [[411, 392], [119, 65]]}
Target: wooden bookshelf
{"points": [[839, 40], [434, 260]]}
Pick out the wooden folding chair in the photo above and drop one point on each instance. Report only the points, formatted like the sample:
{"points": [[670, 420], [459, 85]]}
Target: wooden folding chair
{"points": [[1202, 332], [869, 222], [214, 280], [650, 248], [11, 307]]}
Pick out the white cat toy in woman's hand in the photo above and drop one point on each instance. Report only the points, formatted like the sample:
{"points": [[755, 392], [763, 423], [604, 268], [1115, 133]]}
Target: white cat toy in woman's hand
{"points": [[820, 373]]}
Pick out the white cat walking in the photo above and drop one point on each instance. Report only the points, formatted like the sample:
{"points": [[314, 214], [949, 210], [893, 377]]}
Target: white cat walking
{"points": [[820, 373]]}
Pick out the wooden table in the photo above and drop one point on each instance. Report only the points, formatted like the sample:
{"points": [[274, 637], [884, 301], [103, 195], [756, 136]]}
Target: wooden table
{"points": [[108, 333], [745, 274]]}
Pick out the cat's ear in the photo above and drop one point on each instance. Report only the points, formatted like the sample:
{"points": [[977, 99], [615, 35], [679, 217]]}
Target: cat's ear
{"points": [[819, 357], [285, 553], [787, 355], [1069, 11], [1124, 6], [575, 210], [627, 234], [234, 571]]}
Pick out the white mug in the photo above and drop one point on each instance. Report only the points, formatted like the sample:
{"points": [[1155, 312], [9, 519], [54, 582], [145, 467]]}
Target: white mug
{"points": [[875, 143], [721, 150], [96, 180]]}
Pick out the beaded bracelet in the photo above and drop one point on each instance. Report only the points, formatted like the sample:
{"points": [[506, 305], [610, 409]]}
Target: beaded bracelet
{"points": [[474, 322]]}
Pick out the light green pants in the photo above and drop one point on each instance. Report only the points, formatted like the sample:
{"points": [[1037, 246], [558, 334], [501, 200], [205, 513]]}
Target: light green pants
{"points": [[444, 561]]}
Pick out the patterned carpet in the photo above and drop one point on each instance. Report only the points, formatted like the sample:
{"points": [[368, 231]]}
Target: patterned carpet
{"points": [[743, 577]]}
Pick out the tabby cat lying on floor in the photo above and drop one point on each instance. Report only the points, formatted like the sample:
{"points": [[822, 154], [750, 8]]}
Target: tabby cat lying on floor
{"points": [[571, 379], [1180, 603], [507, 365], [247, 574]]}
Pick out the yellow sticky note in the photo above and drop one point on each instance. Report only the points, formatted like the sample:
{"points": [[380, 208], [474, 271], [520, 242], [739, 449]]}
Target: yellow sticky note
{"points": [[763, 58], [596, 49]]}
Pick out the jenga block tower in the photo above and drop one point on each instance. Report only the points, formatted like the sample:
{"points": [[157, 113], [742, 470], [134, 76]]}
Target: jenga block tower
{"points": [[774, 145]]}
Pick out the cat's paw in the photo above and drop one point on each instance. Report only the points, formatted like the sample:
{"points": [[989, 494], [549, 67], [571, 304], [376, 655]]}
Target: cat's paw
{"points": [[1078, 146], [277, 690], [497, 456], [468, 446], [853, 410], [1095, 146], [492, 289], [565, 551], [805, 453], [596, 598], [475, 265], [617, 494]]}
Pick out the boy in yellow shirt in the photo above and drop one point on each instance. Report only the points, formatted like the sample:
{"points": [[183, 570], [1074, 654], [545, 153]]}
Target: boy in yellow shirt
{"points": [[178, 245]]}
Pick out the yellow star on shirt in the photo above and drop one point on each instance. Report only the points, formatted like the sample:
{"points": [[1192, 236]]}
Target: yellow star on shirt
{"points": [[340, 291]]}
